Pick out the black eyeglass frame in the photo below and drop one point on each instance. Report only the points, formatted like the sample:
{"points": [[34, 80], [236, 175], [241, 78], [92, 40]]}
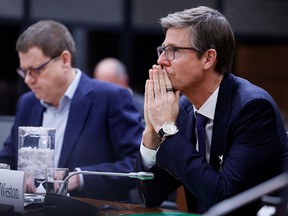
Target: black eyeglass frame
{"points": [[23, 73], [161, 49]]}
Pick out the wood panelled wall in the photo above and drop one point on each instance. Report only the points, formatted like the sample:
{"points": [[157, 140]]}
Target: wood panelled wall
{"points": [[267, 67]]}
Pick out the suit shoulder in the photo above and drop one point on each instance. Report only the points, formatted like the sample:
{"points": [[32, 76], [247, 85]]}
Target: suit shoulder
{"points": [[250, 91], [28, 97], [243, 93], [88, 85]]}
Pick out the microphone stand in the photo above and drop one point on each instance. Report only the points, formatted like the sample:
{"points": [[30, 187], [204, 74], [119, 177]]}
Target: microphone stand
{"points": [[60, 204], [137, 175]]}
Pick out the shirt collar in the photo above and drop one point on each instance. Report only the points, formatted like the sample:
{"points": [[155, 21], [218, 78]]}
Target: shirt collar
{"points": [[73, 86], [208, 108]]}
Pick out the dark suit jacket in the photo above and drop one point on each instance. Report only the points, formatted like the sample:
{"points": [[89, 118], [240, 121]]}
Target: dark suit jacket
{"points": [[139, 103], [103, 133], [247, 131]]}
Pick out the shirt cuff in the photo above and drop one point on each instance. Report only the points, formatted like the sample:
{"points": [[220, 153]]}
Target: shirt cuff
{"points": [[148, 156]]}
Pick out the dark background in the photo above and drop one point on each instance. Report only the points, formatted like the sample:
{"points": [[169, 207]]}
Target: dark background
{"points": [[129, 30]]}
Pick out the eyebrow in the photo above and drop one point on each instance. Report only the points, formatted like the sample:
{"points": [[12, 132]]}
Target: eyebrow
{"points": [[175, 45], [169, 44]]}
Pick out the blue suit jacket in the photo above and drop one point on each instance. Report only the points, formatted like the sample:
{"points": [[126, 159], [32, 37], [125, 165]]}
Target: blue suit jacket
{"points": [[103, 133], [247, 131]]}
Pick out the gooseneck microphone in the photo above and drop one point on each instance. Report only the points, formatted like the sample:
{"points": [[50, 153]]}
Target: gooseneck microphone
{"points": [[60, 204], [138, 175]]}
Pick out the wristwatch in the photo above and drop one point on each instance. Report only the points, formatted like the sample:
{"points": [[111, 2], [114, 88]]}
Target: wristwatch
{"points": [[168, 129]]}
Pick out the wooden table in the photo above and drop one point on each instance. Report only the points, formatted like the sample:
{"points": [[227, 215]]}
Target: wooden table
{"points": [[107, 208], [123, 208]]}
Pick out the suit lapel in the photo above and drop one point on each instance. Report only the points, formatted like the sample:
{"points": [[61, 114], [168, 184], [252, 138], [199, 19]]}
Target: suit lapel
{"points": [[221, 118], [185, 120], [79, 109], [37, 111]]}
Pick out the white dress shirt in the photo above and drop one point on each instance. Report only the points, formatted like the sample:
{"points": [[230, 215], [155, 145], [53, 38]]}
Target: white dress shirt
{"points": [[57, 117], [148, 156]]}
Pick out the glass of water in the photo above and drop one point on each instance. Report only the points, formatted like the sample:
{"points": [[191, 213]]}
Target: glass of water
{"points": [[55, 180], [35, 154]]}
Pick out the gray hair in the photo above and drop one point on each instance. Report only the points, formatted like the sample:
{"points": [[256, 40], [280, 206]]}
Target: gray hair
{"points": [[208, 29]]}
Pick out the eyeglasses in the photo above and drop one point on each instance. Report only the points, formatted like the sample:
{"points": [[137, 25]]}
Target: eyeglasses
{"points": [[170, 51], [34, 72]]}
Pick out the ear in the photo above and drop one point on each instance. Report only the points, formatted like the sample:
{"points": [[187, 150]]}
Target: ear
{"points": [[209, 58], [65, 59]]}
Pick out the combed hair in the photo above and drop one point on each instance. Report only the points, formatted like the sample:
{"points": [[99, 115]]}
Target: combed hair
{"points": [[50, 36], [208, 29]]}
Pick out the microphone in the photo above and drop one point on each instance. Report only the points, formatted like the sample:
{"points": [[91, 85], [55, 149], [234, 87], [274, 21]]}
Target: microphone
{"points": [[138, 175]]}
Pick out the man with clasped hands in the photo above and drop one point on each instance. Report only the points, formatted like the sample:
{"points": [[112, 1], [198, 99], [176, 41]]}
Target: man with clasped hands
{"points": [[245, 139], [97, 125]]}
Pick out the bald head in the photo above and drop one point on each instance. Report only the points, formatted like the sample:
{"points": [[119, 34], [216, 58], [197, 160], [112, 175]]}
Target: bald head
{"points": [[111, 70]]}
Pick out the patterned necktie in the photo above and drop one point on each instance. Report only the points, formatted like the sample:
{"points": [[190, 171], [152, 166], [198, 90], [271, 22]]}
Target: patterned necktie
{"points": [[200, 126]]}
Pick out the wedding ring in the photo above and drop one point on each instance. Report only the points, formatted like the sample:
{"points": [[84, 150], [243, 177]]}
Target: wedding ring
{"points": [[169, 89]]}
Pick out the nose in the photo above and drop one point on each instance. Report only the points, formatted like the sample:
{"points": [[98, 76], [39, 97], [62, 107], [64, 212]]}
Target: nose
{"points": [[162, 59], [29, 78]]}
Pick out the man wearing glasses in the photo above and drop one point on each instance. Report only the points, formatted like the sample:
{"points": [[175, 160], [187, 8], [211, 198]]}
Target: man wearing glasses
{"points": [[223, 135], [97, 126]]}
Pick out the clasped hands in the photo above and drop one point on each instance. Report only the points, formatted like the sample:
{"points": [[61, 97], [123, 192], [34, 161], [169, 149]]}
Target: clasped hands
{"points": [[160, 105]]}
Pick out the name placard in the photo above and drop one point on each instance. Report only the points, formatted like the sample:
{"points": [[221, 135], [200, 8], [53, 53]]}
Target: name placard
{"points": [[12, 189]]}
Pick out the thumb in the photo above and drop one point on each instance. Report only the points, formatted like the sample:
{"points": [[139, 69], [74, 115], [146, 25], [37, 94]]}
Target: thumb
{"points": [[177, 95]]}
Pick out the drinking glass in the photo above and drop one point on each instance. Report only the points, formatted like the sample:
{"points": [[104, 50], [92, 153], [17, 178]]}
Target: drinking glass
{"points": [[35, 154], [55, 180]]}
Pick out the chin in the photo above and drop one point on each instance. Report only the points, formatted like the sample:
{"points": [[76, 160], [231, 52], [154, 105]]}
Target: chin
{"points": [[39, 97]]}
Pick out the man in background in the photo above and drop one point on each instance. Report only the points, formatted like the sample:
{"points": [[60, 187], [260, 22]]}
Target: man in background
{"points": [[97, 125], [114, 71]]}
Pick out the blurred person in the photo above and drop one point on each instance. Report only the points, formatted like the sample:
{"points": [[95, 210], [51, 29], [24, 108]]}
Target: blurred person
{"points": [[243, 142], [97, 125], [113, 70]]}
